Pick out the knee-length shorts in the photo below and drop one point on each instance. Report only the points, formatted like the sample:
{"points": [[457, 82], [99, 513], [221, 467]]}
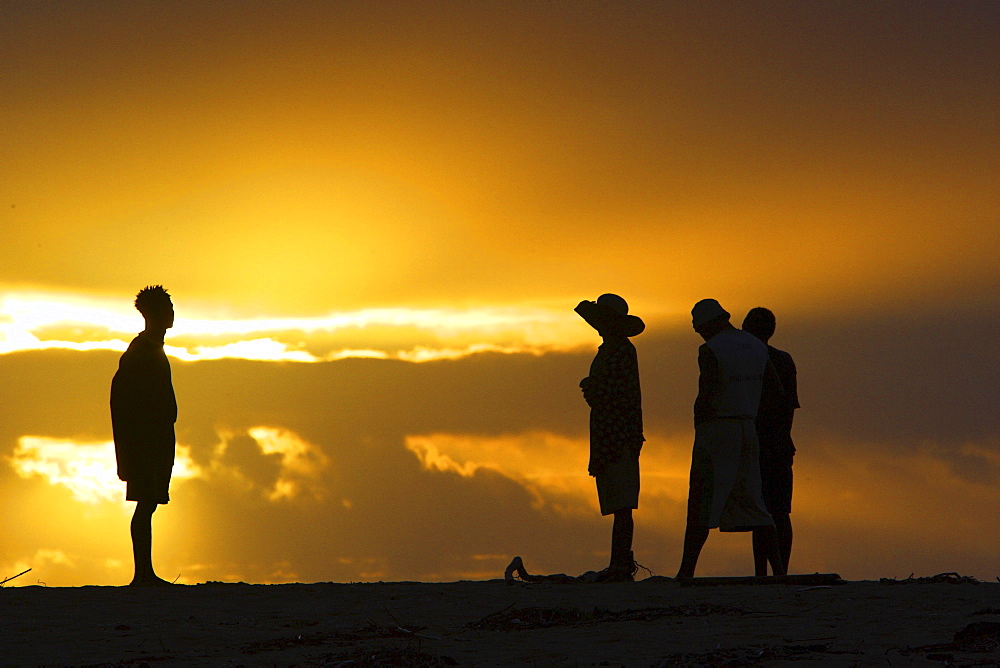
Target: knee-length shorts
{"points": [[618, 486]]}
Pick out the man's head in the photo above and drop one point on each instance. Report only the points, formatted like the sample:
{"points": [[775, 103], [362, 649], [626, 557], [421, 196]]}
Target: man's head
{"points": [[709, 318], [154, 304], [759, 322]]}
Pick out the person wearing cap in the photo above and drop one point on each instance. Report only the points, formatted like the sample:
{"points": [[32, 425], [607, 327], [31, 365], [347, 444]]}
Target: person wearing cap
{"points": [[774, 433], [612, 392], [725, 487]]}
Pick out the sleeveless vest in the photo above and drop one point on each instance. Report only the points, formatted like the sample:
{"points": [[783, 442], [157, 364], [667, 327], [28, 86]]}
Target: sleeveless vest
{"points": [[742, 360]]}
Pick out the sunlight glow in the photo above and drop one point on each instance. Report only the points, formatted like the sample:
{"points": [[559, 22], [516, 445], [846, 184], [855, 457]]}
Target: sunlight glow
{"points": [[256, 349], [303, 471], [87, 469], [302, 463], [41, 321]]}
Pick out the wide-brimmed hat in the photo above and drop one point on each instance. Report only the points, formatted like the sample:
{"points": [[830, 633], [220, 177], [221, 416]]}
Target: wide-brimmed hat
{"points": [[705, 310], [609, 315]]}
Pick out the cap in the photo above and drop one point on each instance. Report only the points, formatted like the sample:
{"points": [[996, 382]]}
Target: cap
{"points": [[705, 310]]}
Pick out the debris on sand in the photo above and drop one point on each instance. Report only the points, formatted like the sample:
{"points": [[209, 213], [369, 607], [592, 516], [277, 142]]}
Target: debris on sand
{"points": [[280, 644], [802, 580], [368, 632], [521, 619], [975, 638], [389, 656], [979, 631], [949, 578], [750, 656], [987, 611]]}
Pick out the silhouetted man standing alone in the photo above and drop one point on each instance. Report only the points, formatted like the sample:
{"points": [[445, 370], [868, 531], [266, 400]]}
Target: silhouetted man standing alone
{"points": [[774, 432], [612, 392], [725, 470], [143, 412]]}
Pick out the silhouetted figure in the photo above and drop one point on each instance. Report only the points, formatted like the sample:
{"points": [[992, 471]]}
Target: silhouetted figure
{"points": [[612, 391], [725, 469], [774, 432], [143, 412]]}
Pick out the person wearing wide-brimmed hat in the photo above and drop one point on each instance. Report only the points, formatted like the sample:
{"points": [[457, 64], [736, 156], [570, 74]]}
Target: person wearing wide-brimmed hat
{"points": [[612, 391], [725, 490]]}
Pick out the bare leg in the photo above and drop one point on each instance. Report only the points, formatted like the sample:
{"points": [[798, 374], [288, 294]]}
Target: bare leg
{"points": [[622, 565], [142, 544], [759, 553], [765, 549], [694, 540], [783, 526], [621, 535], [783, 531]]}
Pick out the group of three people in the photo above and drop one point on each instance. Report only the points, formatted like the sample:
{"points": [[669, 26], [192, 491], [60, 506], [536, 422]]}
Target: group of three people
{"points": [[741, 463], [726, 484]]}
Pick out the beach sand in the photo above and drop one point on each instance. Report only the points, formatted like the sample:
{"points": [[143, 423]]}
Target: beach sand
{"points": [[650, 622]]}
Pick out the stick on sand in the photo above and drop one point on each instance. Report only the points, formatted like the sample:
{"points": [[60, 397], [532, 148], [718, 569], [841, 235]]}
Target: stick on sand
{"points": [[12, 577]]}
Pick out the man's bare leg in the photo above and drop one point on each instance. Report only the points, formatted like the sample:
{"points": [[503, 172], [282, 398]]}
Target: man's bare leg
{"points": [[761, 545], [759, 554], [694, 540], [783, 525], [142, 545], [621, 537], [620, 568], [765, 549], [622, 532]]}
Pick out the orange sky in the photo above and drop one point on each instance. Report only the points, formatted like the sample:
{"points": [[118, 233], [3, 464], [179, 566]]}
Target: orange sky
{"points": [[407, 181]]}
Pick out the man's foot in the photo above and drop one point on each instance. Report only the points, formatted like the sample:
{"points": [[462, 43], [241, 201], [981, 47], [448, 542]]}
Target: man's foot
{"points": [[623, 571], [149, 581], [614, 575]]}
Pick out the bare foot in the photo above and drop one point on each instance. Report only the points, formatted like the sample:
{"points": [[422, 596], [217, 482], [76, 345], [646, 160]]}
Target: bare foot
{"points": [[149, 581]]}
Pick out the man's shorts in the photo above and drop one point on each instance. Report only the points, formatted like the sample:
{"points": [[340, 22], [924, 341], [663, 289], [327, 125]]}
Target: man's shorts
{"points": [[149, 487], [725, 489], [618, 485]]}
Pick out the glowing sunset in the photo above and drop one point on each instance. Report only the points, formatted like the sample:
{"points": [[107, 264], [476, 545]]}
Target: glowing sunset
{"points": [[375, 220]]}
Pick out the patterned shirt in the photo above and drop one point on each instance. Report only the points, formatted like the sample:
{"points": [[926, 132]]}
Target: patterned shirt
{"points": [[612, 390]]}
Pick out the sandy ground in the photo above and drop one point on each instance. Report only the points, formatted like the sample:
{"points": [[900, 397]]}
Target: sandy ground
{"points": [[651, 622]]}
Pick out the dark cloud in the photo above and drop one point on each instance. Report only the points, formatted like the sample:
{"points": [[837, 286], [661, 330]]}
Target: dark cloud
{"points": [[900, 379]]}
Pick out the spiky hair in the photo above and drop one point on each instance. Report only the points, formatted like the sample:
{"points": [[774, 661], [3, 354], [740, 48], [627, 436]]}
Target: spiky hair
{"points": [[152, 297]]}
